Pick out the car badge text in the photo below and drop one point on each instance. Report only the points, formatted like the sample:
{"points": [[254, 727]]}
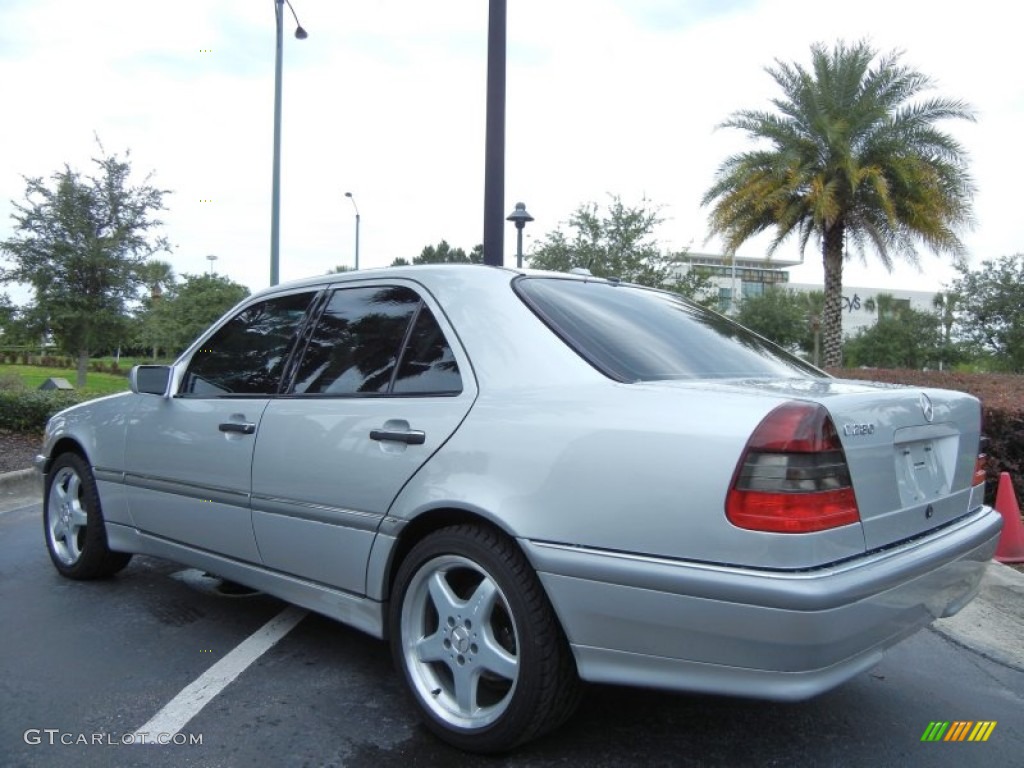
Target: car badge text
{"points": [[858, 430]]}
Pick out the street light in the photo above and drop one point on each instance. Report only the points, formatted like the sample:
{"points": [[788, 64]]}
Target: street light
{"points": [[350, 196], [211, 258], [494, 137], [732, 290], [275, 195], [519, 217]]}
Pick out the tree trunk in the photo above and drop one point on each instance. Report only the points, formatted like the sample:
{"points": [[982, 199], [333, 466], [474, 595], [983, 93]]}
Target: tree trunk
{"points": [[83, 366], [832, 320]]}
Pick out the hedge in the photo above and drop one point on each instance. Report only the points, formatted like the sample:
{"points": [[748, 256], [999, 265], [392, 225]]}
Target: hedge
{"points": [[29, 410]]}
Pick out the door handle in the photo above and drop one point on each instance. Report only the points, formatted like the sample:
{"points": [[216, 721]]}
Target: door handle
{"points": [[243, 428], [409, 436]]}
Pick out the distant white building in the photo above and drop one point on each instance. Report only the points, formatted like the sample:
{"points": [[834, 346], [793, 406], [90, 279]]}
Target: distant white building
{"points": [[744, 276], [857, 299], [739, 277]]}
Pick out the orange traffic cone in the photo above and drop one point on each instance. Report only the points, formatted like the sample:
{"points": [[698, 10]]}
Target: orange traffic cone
{"points": [[1011, 541]]}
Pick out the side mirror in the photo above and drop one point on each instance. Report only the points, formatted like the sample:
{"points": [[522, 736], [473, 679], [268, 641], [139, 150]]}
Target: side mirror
{"points": [[150, 379]]}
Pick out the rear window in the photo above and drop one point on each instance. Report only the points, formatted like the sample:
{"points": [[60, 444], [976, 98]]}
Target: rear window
{"points": [[639, 334]]}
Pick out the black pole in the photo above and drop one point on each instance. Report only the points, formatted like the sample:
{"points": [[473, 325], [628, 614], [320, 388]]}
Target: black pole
{"points": [[494, 168]]}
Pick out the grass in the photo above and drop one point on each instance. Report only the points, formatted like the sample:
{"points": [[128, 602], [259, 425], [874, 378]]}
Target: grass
{"points": [[95, 383]]}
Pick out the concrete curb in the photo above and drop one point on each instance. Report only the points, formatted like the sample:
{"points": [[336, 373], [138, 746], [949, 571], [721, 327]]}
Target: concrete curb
{"points": [[993, 623], [24, 482]]}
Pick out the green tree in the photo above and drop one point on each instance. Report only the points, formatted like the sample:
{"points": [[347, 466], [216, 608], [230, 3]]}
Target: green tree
{"points": [[990, 309], [152, 328], [695, 283], [902, 338], [781, 315], [79, 243], [443, 253], [180, 316], [617, 243], [853, 157], [7, 314]]}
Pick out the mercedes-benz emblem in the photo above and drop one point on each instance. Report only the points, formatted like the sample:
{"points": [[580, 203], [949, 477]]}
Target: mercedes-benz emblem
{"points": [[927, 408]]}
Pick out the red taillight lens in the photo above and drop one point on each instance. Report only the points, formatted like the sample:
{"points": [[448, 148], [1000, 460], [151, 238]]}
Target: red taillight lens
{"points": [[982, 460], [793, 476], [979, 469]]}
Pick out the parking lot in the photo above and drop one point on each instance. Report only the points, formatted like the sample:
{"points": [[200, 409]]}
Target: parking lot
{"points": [[86, 666]]}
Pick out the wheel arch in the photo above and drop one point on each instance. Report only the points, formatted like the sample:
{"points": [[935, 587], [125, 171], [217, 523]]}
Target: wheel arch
{"points": [[64, 445], [418, 529]]}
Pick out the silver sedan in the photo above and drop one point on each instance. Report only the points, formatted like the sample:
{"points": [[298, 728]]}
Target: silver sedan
{"points": [[527, 480]]}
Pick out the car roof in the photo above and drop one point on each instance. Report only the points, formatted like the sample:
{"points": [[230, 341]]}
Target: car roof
{"points": [[426, 273]]}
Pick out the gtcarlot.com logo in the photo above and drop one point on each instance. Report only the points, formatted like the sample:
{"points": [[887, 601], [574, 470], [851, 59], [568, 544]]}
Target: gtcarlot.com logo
{"points": [[959, 730], [52, 736]]}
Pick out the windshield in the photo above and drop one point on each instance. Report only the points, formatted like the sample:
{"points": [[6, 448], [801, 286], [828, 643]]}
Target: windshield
{"points": [[639, 334]]}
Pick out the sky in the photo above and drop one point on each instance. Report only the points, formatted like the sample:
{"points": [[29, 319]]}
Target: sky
{"points": [[386, 99]]}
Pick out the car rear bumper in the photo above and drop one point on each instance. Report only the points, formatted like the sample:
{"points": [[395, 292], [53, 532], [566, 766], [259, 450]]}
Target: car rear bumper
{"points": [[769, 634]]}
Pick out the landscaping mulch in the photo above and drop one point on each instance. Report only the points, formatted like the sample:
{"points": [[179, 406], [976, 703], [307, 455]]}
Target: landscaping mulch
{"points": [[17, 449]]}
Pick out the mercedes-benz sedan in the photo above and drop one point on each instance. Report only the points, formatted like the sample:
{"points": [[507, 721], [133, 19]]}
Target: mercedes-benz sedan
{"points": [[523, 480]]}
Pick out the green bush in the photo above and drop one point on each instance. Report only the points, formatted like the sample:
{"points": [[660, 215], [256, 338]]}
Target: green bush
{"points": [[11, 382], [29, 410]]}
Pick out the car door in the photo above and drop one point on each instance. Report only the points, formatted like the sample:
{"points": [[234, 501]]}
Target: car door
{"points": [[189, 456], [380, 387]]}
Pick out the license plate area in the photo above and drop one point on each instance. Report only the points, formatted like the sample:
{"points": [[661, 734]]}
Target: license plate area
{"points": [[924, 468]]}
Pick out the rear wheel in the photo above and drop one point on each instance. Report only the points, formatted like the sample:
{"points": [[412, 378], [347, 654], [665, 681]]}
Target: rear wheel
{"points": [[73, 522], [478, 643]]}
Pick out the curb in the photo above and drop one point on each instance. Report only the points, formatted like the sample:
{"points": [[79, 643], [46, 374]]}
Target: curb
{"points": [[992, 624], [23, 482]]}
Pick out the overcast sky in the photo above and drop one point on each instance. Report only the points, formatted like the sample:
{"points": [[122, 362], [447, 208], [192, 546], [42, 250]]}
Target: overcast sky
{"points": [[386, 99]]}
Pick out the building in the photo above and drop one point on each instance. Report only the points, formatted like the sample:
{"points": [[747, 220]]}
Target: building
{"points": [[742, 277], [738, 277], [860, 304]]}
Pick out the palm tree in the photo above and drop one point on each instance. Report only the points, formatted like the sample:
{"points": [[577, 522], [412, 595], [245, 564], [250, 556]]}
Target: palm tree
{"points": [[852, 161], [158, 276]]}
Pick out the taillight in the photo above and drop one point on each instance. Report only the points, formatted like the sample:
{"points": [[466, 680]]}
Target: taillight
{"points": [[793, 476], [980, 462]]}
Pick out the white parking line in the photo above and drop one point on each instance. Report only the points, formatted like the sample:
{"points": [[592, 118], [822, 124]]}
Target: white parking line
{"points": [[187, 704]]}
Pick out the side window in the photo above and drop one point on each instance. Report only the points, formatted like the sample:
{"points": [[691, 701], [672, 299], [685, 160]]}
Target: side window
{"points": [[355, 346], [247, 354], [428, 365]]}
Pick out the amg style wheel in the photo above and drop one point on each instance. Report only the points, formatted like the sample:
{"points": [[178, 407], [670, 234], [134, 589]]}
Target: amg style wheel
{"points": [[73, 522], [478, 643]]}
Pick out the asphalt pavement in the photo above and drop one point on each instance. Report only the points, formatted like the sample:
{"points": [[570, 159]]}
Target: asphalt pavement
{"points": [[992, 625]]}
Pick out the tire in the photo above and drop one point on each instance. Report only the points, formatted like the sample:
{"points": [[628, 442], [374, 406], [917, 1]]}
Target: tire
{"points": [[73, 522], [477, 642]]}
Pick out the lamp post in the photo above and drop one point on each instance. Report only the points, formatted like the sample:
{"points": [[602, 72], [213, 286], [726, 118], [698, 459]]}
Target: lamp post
{"points": [[275, 195], [519, 217], [351, 197], [494, 149], [732, 290], [211, 258]]}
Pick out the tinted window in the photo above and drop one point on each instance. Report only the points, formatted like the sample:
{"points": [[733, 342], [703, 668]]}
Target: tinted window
{"points": [[354, 347], [246, 356], [428, 364], [634, 334]]}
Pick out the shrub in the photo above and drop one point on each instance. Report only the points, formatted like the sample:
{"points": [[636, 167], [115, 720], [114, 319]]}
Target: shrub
{"points": [[11, 382], [29, 410]]}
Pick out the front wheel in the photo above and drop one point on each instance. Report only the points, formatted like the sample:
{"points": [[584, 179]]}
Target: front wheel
{"points": [[478, 643], [73, 522]]}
